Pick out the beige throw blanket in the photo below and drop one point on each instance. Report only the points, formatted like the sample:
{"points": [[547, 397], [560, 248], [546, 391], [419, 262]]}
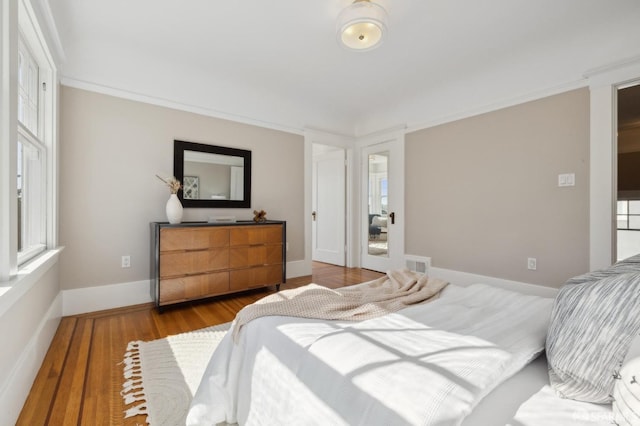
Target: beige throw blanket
{"points": [[397, 290]]}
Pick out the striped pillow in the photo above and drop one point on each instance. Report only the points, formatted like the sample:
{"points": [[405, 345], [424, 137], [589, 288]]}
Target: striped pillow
{"points": [[593, 322], [626, 407]]}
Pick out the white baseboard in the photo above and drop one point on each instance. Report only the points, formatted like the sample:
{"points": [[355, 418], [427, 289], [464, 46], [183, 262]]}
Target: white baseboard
{"points": [[16, 388], [465, 279], [91, 299]]}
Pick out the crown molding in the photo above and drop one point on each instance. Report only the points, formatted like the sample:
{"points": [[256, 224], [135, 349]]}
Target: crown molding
{"points": [[500, 104], [168, 103], [43, 9], [621, 73]]}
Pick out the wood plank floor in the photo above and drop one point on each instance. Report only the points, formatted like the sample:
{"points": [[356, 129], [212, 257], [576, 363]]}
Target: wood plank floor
{"points": [[80, 379]]}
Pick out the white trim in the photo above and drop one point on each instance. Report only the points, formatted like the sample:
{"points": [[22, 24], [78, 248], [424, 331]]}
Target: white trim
{"points": [[382, 135], [168, 103], [615, 73], [45, 11], [386, 135], [29, 274], [8, 136], [16, 387], [465, 279], [497, 105], [602, 183], [91, 299], [312, 136], [394, 137], [603, 83], [308, 205], [328, 138], [111, 296]]}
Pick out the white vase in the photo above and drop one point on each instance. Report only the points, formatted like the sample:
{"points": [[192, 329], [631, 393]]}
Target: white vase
{"points": [[174, 209]]}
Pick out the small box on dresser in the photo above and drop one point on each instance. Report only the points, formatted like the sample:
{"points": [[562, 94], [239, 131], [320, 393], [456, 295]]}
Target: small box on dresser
{"points": [[196, 260]]}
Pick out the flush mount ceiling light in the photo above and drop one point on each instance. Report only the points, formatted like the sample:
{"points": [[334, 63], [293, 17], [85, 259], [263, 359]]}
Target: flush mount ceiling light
{"points": [[362, 25]]}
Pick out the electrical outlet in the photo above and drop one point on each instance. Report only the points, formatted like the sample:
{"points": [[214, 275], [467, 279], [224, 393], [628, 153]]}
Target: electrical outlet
{"points": [[532, 263], [126, 261]]}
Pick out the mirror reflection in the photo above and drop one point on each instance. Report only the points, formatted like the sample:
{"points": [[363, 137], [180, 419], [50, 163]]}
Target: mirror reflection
{"points": [[378, 167], [212, 176]]}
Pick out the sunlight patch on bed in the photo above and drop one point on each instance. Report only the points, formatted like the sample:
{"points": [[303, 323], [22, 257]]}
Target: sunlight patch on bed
{"points": [[301, 399], [394, 362]]}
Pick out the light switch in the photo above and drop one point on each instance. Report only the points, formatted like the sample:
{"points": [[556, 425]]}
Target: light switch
{"points": [[571, 179], [562, 180], [567, 179]]}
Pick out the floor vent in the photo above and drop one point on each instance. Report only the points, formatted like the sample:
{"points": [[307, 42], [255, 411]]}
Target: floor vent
{"points": [[418, 263]]}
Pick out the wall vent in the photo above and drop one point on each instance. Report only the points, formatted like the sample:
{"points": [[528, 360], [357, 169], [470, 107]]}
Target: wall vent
{"points": [[417, 263]]}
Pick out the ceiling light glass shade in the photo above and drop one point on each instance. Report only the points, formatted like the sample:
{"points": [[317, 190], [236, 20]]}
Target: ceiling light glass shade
{"points": [[362, 25]]}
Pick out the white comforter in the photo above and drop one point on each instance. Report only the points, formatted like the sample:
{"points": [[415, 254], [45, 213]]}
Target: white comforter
{"points": [[548, 409], [428, 364]]}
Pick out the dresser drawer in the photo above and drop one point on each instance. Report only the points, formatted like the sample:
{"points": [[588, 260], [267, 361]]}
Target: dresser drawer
{"points": [[193, 287], [249, 235], [240, 257], [243, 279], [196, 238], [193, 262]]}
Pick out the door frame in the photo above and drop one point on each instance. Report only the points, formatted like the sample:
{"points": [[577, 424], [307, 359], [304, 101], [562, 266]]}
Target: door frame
{"points": [[339, 155], [603, 85], [395, 137], [353, 146], [313, 136]]}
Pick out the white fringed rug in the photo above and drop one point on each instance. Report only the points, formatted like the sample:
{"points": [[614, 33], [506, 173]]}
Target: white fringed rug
{"points": [[162, 375]]}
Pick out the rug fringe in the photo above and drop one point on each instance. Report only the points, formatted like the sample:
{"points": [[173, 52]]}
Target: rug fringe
{"points": [[132, 389], [136, 411], [130, 385]]}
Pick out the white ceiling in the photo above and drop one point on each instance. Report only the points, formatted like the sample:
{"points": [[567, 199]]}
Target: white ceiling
{"points": [[277, 63]]}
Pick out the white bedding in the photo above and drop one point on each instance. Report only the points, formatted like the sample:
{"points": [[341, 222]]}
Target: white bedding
{"points": [[428, 364], [548, 409]]}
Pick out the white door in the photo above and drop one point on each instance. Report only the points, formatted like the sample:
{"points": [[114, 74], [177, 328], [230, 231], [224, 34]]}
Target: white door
{"points": [[328, 205], [382, 206]]}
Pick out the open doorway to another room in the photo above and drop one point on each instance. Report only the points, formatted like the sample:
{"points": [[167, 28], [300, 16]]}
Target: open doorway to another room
{"points": [[628, 172]]}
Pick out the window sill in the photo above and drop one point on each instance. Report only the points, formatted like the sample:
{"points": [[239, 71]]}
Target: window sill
{"points": [[11, 291]]}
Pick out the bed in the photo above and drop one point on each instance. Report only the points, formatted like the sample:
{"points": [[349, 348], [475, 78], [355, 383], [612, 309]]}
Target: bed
{"points": [[473, 357], [426, 364], [527, 399]]}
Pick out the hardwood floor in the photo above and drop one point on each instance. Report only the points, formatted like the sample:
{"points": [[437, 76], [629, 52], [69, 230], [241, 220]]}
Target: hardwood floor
{"points": [[80, 379]]}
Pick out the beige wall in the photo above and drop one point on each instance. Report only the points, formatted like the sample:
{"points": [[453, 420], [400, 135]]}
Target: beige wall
{"points": [[482, 193], [110, 151]]}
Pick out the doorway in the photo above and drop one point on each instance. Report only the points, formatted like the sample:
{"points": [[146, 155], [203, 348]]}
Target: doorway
{"points": [[628, 172], [382, 183], [328, 204]]}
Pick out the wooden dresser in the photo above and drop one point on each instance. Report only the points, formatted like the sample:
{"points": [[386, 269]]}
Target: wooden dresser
{"points": [[196, 260]]}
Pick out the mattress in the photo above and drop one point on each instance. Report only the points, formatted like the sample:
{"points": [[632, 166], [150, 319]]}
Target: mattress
{"points": [[526, 399], [427, 364], [548, 409]]}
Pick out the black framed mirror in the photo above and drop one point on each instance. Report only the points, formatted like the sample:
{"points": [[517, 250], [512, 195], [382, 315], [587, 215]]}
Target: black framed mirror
{"points": [[212, 176]]}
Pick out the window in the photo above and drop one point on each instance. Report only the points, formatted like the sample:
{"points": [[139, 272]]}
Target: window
{"points": [[27, 89], [31, 166], [31, 158], [628, 215]]}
